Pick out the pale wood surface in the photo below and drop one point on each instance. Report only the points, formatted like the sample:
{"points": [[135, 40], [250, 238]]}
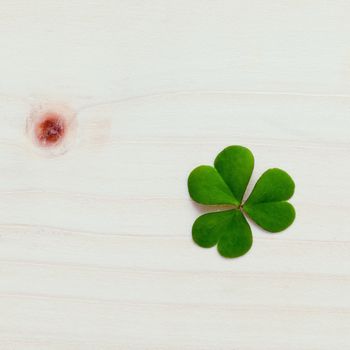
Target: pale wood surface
{"points": [[95, 245]]}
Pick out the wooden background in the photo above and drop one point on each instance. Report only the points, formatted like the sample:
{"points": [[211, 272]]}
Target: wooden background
{"points": [[95, 244]]}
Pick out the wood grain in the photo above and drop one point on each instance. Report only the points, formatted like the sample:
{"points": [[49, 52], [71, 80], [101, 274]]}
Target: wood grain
{"points": [[95, 244]]}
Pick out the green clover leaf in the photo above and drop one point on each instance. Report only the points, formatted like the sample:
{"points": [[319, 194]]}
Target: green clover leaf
{"points": [[225, 184]]}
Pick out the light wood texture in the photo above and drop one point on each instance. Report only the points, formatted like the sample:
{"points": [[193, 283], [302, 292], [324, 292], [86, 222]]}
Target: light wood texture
{"points": [[95, 245]]}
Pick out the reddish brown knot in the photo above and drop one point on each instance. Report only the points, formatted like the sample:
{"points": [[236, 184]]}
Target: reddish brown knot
{"points": [[50, 130]]}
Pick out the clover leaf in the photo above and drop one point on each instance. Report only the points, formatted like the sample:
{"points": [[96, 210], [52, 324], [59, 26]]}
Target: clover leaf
{"points": [[225, 184]]}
